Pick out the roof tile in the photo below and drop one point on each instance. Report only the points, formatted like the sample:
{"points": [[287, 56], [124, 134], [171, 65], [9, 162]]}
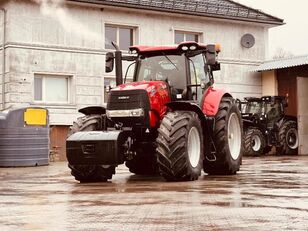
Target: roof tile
{"points": [[208, 8]]}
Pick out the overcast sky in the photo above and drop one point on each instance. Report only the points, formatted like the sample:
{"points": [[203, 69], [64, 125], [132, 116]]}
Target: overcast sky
{"points": [[293, 36]]}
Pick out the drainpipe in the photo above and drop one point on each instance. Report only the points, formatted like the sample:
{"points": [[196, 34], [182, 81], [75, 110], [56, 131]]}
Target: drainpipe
{"points": [[3, 57]]}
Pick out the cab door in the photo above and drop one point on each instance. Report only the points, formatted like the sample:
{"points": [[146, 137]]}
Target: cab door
{"points": [[197, 76]]}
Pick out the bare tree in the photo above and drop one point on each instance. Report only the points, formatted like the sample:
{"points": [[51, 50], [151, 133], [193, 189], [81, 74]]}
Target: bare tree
{"points": [[282, 53]]}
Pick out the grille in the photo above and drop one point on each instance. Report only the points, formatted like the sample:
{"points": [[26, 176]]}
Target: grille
{"points": [[126, 100]]}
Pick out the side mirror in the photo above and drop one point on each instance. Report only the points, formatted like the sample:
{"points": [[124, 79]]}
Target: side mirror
{"points": [[108, 88], [215, 67], [210, 54], [109, 62]]}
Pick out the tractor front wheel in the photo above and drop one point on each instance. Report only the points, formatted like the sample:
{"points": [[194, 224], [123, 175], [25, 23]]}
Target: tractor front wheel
{"points": [[227, 137], [254, 142], [180, 146], [90, 173]]}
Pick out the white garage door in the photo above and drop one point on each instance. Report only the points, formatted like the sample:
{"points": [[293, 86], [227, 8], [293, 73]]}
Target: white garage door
{"points": [[302, 93]]}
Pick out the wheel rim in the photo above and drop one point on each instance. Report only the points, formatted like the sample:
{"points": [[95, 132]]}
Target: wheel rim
{"points": [[256, 143], [292, 138], [234, 136], [194, 147]]}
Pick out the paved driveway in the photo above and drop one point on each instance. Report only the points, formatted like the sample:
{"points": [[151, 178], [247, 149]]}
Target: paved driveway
{"points": [[267, 194]]}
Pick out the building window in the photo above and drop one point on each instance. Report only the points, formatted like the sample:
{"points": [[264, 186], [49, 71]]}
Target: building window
{"points": [[123, 36], [51, 88], [180, 36]]}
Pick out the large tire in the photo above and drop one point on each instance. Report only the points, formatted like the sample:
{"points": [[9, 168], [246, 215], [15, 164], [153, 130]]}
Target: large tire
{"points": [[228, 133], [90, 173], [143, 164], [254, 142], [288, 139], [180, 146]]}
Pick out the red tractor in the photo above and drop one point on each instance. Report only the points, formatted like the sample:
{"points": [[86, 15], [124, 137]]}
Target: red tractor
{"points": [[169, 120]]}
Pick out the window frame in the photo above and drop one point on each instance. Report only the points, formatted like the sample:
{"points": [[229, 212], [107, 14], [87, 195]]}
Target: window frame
{"points": [[44, 76], [118, 27], [195, 33]]}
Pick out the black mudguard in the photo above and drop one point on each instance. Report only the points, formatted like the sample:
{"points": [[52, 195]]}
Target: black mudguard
{"points": [[96, 148], [93, 110]]}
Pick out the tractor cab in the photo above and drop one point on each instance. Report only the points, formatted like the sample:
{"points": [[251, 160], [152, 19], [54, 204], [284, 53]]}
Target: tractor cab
{"points": [[267, 109], [186, 74], [274, 109], [252, 106], [186, 68]]}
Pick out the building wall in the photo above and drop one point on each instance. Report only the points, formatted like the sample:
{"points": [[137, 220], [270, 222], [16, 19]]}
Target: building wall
{"points": [[40, 43], [269, 83], [302, 97]]}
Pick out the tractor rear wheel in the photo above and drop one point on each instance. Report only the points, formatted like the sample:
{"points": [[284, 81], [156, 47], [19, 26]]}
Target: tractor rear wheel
{"points": [[90, 173], [288, 138], [143, 164], [180, 146], [227, 137], [254, 142]]}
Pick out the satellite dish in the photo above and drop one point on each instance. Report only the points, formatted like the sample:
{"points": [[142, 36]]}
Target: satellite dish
{"points": [[248, 40]]}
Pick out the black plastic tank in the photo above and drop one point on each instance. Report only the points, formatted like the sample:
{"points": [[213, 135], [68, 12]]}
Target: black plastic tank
{"points": [[24, 137]]}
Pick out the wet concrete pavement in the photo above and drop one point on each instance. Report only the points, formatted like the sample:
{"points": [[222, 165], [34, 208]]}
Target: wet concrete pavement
{"points": [[267, 194]]}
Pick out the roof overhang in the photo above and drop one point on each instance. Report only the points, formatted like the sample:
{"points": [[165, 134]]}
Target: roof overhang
{"points": [[265, 19], [282, 63]]}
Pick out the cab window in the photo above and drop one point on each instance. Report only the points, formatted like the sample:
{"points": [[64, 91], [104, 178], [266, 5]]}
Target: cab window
{"points": [[197, 75], [197, 72]]}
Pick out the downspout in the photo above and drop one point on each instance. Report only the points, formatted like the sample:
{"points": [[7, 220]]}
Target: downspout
{"points": [[3, 58]]}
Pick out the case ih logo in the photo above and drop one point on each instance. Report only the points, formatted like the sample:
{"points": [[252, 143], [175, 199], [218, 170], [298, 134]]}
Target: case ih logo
{"points": [[123, 97]]}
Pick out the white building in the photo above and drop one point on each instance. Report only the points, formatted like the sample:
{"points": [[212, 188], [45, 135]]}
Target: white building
{"points": [[53, 52]]}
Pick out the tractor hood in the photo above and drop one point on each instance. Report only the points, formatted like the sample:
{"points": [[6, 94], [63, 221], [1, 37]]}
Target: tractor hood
{"points": [[150, 86], [136, 95]]}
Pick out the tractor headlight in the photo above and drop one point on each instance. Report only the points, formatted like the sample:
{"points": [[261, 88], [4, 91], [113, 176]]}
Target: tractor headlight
{"points": [[185, 48], [137, 112], [192, 48], [125, 113]]}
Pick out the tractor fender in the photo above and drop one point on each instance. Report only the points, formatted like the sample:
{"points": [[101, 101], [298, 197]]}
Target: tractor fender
{"points": [[211, 100], [187, 106], [286, 118], [91, 110], [289, 117]]}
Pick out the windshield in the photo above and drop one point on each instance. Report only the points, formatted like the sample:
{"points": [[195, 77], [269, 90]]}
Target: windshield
{"points": [[169, 68], [253, 107], [273, 110]]}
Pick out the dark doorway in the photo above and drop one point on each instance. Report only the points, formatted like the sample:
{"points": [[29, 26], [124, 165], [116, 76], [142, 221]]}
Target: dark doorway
{"points": [[287, 86]]}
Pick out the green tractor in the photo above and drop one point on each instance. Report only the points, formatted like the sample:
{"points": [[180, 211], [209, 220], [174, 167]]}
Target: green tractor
{"points": [[266, 125]]}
